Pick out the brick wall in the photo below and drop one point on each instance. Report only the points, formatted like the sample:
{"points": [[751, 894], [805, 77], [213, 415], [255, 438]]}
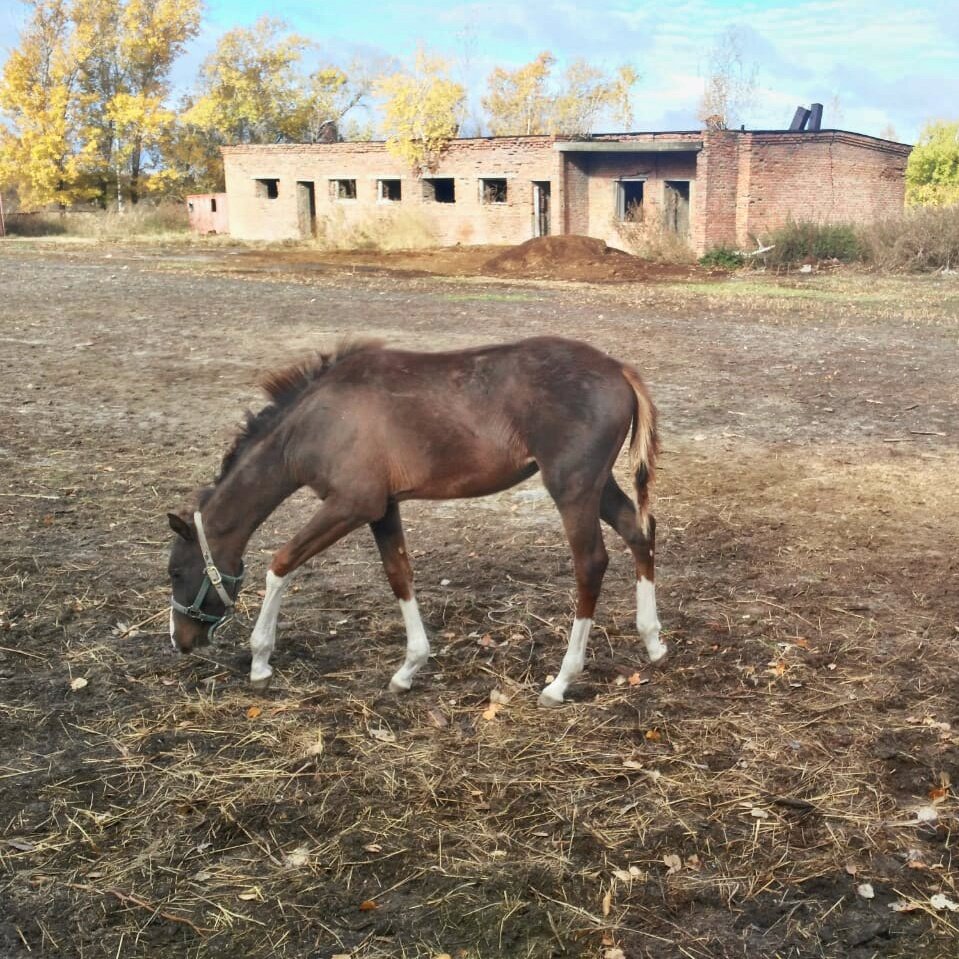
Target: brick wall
{"points": [[208, 213], [469, 220], [741, 184], [830, 177]]}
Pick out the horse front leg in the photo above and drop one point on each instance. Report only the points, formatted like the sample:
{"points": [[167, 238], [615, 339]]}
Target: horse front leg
{"points": [[388, 533], [330, 523]]}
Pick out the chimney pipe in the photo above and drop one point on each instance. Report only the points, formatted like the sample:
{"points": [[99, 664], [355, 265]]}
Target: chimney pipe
{"points": [[815, 117], [799, 120]]}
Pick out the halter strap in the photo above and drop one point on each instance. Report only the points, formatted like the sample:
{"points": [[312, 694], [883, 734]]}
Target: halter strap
{"points": [[214, 574]]}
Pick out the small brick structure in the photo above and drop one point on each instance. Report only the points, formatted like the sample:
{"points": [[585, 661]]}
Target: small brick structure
{"points": [[714, 187], [208, 213]]}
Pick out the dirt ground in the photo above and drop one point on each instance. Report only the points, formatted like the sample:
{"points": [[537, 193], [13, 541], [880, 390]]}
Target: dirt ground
{"points": [[784, 786]]}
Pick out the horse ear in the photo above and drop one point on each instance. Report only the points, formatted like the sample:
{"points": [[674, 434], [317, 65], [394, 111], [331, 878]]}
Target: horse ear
{"points": [[181, 527]]}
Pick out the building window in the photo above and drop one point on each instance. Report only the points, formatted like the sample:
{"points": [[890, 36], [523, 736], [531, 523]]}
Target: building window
{"points": [[268, 189], [629, 200], [440, 189], [343, 189], [493, 190], [389, 191], [213, 205]]}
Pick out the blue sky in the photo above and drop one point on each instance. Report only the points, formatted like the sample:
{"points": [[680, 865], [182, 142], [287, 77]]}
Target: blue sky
{"points": [[871, 62]]}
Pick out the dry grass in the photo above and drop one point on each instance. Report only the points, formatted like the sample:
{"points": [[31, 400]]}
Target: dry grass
{"points": [[145, 219], [387, 229], [652, 240]]}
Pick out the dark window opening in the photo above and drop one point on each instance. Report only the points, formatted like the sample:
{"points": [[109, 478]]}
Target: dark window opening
{"points": [[213, 206], [390, 190], [629, 200], [440, 190], [676, 206], [268, 189], [494, 191], [343, 189]]}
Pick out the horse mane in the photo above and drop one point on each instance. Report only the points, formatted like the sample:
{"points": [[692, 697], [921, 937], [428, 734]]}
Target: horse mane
{"points": [[284, 387]]}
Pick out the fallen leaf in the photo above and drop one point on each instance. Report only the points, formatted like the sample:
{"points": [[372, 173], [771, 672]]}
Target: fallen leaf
{"points": [[383, 734], [298, 857], [496, 696], [368, 905], [623, 875], [253, 712], [940, 902], [614, 953], [20, 844], [78, 683], [486, 640], [926, 814], [437, 718], [654, 735], [637, 680], [492, 710], [938, 793], [248, 896], [777, 667], [758, 813], [866, 891], [373, 847], [316, 747], [673, 863], [694, 862], [607, 902], [851, 869], [632, 764], [620, 681]]}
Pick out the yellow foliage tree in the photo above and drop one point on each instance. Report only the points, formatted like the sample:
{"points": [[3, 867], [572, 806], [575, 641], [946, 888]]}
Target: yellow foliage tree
{"points": [[132, 45], [517, 101], [422, 111], [932, 173], [42, 154], [524, 101]]}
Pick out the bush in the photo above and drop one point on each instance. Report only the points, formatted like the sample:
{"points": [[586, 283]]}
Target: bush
{"points": [[722, 258], [921, 240], [653, 240], [799, 241]]}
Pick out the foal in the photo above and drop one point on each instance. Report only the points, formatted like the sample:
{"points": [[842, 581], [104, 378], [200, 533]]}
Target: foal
{"points": [[367, 428]]}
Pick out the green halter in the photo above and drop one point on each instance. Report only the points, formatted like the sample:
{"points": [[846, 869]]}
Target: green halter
{"points": [[211, 577]]}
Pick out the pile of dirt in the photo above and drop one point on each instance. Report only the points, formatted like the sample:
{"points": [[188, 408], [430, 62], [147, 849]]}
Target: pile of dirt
{"points": [[581, 258]]}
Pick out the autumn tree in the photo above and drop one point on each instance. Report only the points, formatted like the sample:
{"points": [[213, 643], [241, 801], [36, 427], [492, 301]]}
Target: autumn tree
{"points": [[132, 45], [730, 85], [588, 93], [530, 101], [518, 102], [932, 173], [42, 152], [422, 110]]}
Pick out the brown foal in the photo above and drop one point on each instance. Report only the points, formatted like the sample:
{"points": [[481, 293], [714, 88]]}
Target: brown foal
{"points": [[367, 428]]}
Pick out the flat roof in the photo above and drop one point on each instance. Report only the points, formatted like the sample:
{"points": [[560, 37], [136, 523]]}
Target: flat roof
{"points": [[639, 145]]}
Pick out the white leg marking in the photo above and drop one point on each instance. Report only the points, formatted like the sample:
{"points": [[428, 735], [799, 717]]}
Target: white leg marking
{"points": [[172, 630], [417, 647], [573, 663], [647, 622], [264, 632]]}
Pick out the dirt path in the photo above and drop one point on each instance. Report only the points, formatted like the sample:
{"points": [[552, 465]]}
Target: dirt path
{"points": [[727, 805]]}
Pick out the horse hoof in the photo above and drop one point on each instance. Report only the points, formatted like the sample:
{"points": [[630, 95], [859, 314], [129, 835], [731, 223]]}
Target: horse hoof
{"points": [[261, 685], [549, 701], [658, 657], [399, 687]]}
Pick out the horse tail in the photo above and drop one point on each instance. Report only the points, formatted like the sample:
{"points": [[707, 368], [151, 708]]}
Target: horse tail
{"points": [[643, 445]]}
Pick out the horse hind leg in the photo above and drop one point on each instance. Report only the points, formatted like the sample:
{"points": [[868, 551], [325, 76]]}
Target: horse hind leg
{"points": [[590, 559], [619, 512], [388, 533]]}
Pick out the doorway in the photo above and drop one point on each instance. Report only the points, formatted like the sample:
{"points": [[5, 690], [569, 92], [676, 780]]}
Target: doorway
{"points": [[306, 207], [541, 196], [676, 206]]}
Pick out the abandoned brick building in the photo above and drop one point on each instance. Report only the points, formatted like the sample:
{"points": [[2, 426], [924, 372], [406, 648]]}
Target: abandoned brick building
{"points": [[715, 187]]}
